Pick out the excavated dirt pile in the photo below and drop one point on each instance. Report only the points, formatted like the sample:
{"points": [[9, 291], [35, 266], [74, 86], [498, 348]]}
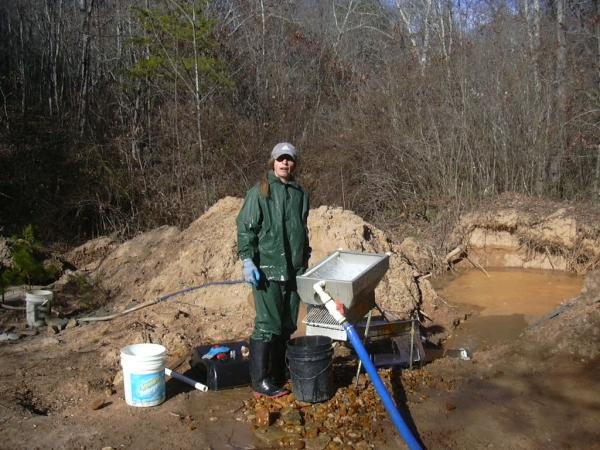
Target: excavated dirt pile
{"points": [[167, 260]]}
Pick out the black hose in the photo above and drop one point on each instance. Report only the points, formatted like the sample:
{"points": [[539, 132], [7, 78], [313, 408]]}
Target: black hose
{"points": [[161, 299]]}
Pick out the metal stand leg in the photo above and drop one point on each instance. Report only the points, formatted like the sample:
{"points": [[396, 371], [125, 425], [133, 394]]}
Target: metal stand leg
{"points": [[364, 340], [382, 312]]}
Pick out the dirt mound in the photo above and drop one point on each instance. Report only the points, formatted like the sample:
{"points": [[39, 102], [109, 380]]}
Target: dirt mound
{"points": [[92, 251], [167, 259], [400, 290], [518, 231]]}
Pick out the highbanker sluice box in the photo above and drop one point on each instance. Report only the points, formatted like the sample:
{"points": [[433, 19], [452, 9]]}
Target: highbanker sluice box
{"points": [[351, 278]]}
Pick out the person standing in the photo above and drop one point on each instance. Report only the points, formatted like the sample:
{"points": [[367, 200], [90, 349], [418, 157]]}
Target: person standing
{"points": [[273, 245]]}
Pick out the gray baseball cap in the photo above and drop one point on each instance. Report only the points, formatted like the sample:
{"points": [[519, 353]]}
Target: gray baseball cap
{"points": [[284, 148]]}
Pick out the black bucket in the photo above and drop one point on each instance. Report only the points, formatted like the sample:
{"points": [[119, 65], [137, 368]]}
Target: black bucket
{"points": [[309, 359]]}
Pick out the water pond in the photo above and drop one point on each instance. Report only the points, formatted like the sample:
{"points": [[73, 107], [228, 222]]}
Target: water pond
{"points": [[506, 302]]}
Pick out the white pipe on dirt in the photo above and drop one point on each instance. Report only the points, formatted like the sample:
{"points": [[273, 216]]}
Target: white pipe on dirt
{"points": [[195, 384]]}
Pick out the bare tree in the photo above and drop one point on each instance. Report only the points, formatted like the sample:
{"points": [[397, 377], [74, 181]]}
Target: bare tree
{"points": [[84, 68], [555, 162]]}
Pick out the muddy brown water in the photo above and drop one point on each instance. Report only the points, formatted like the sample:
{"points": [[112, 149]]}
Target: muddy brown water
{"points": [[505, 302]]}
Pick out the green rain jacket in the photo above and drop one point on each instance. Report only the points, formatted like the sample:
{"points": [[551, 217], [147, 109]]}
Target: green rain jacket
{"points": [[272, 231]]}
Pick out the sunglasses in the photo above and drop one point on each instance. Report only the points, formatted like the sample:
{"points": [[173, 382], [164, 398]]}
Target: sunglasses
{"points": [[285, 158]]}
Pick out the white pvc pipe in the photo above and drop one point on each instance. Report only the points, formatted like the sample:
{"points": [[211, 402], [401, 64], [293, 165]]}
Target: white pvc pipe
{"points": [[328, 302], [195, 384]]}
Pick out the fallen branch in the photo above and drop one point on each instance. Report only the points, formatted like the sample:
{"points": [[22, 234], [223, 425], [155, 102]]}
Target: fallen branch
{"points": [[549, 257], [477, 266], [445, 302], [454, 253], [461, 252], [420, 311]]}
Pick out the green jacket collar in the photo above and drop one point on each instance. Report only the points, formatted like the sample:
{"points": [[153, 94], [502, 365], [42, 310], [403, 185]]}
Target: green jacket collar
{"points": [[275, 179]]}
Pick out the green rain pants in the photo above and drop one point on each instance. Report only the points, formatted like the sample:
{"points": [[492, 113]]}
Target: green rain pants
{"points": [[276, 304]]}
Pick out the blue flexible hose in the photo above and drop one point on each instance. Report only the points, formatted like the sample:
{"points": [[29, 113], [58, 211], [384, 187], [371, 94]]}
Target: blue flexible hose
{"points": [[389, 404]]}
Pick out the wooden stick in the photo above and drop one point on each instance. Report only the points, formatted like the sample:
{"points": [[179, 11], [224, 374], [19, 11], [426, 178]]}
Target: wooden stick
{"points": [[459, 251], [477, 265], [456, 252]]}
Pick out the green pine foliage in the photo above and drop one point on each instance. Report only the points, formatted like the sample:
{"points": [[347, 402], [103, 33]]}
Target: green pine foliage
{"points": [[27, 266], [178, 39], [7, 278]]}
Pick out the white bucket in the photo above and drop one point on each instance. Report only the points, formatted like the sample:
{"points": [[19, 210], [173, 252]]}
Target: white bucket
{"points": [[144, 374], [37, 307]]}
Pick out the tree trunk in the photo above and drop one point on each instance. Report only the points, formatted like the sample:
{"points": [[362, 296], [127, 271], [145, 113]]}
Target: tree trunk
{"points": [[427, 26], [54, 30], [198, 104], [22, 62], [597, 29], [555, 168], [84, 69], [532, 16], [596, 193], [406, 21], [536, 47]]}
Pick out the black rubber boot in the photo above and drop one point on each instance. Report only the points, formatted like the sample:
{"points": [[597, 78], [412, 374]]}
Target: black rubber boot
{"points": [[262, 384], [279, 370]]}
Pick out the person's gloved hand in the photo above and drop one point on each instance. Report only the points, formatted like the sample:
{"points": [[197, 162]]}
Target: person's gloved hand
{"points": [[251, 273]]}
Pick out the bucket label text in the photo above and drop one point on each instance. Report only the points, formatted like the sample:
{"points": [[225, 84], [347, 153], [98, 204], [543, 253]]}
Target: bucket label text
{"points": [[146, 388]]}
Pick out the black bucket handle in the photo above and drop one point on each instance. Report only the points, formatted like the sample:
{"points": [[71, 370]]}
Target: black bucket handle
{"points": [[295, 375]]}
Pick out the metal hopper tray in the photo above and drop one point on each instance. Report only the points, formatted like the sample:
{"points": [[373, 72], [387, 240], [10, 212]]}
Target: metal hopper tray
{"points": [[350, 277]]}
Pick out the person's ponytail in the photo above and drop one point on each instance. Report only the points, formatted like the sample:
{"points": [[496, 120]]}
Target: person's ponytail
{"points": [[265, 190]]}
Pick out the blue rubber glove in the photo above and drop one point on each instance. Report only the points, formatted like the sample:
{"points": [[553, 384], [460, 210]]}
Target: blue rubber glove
{"points": [[214, 351], [251, 273]]}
